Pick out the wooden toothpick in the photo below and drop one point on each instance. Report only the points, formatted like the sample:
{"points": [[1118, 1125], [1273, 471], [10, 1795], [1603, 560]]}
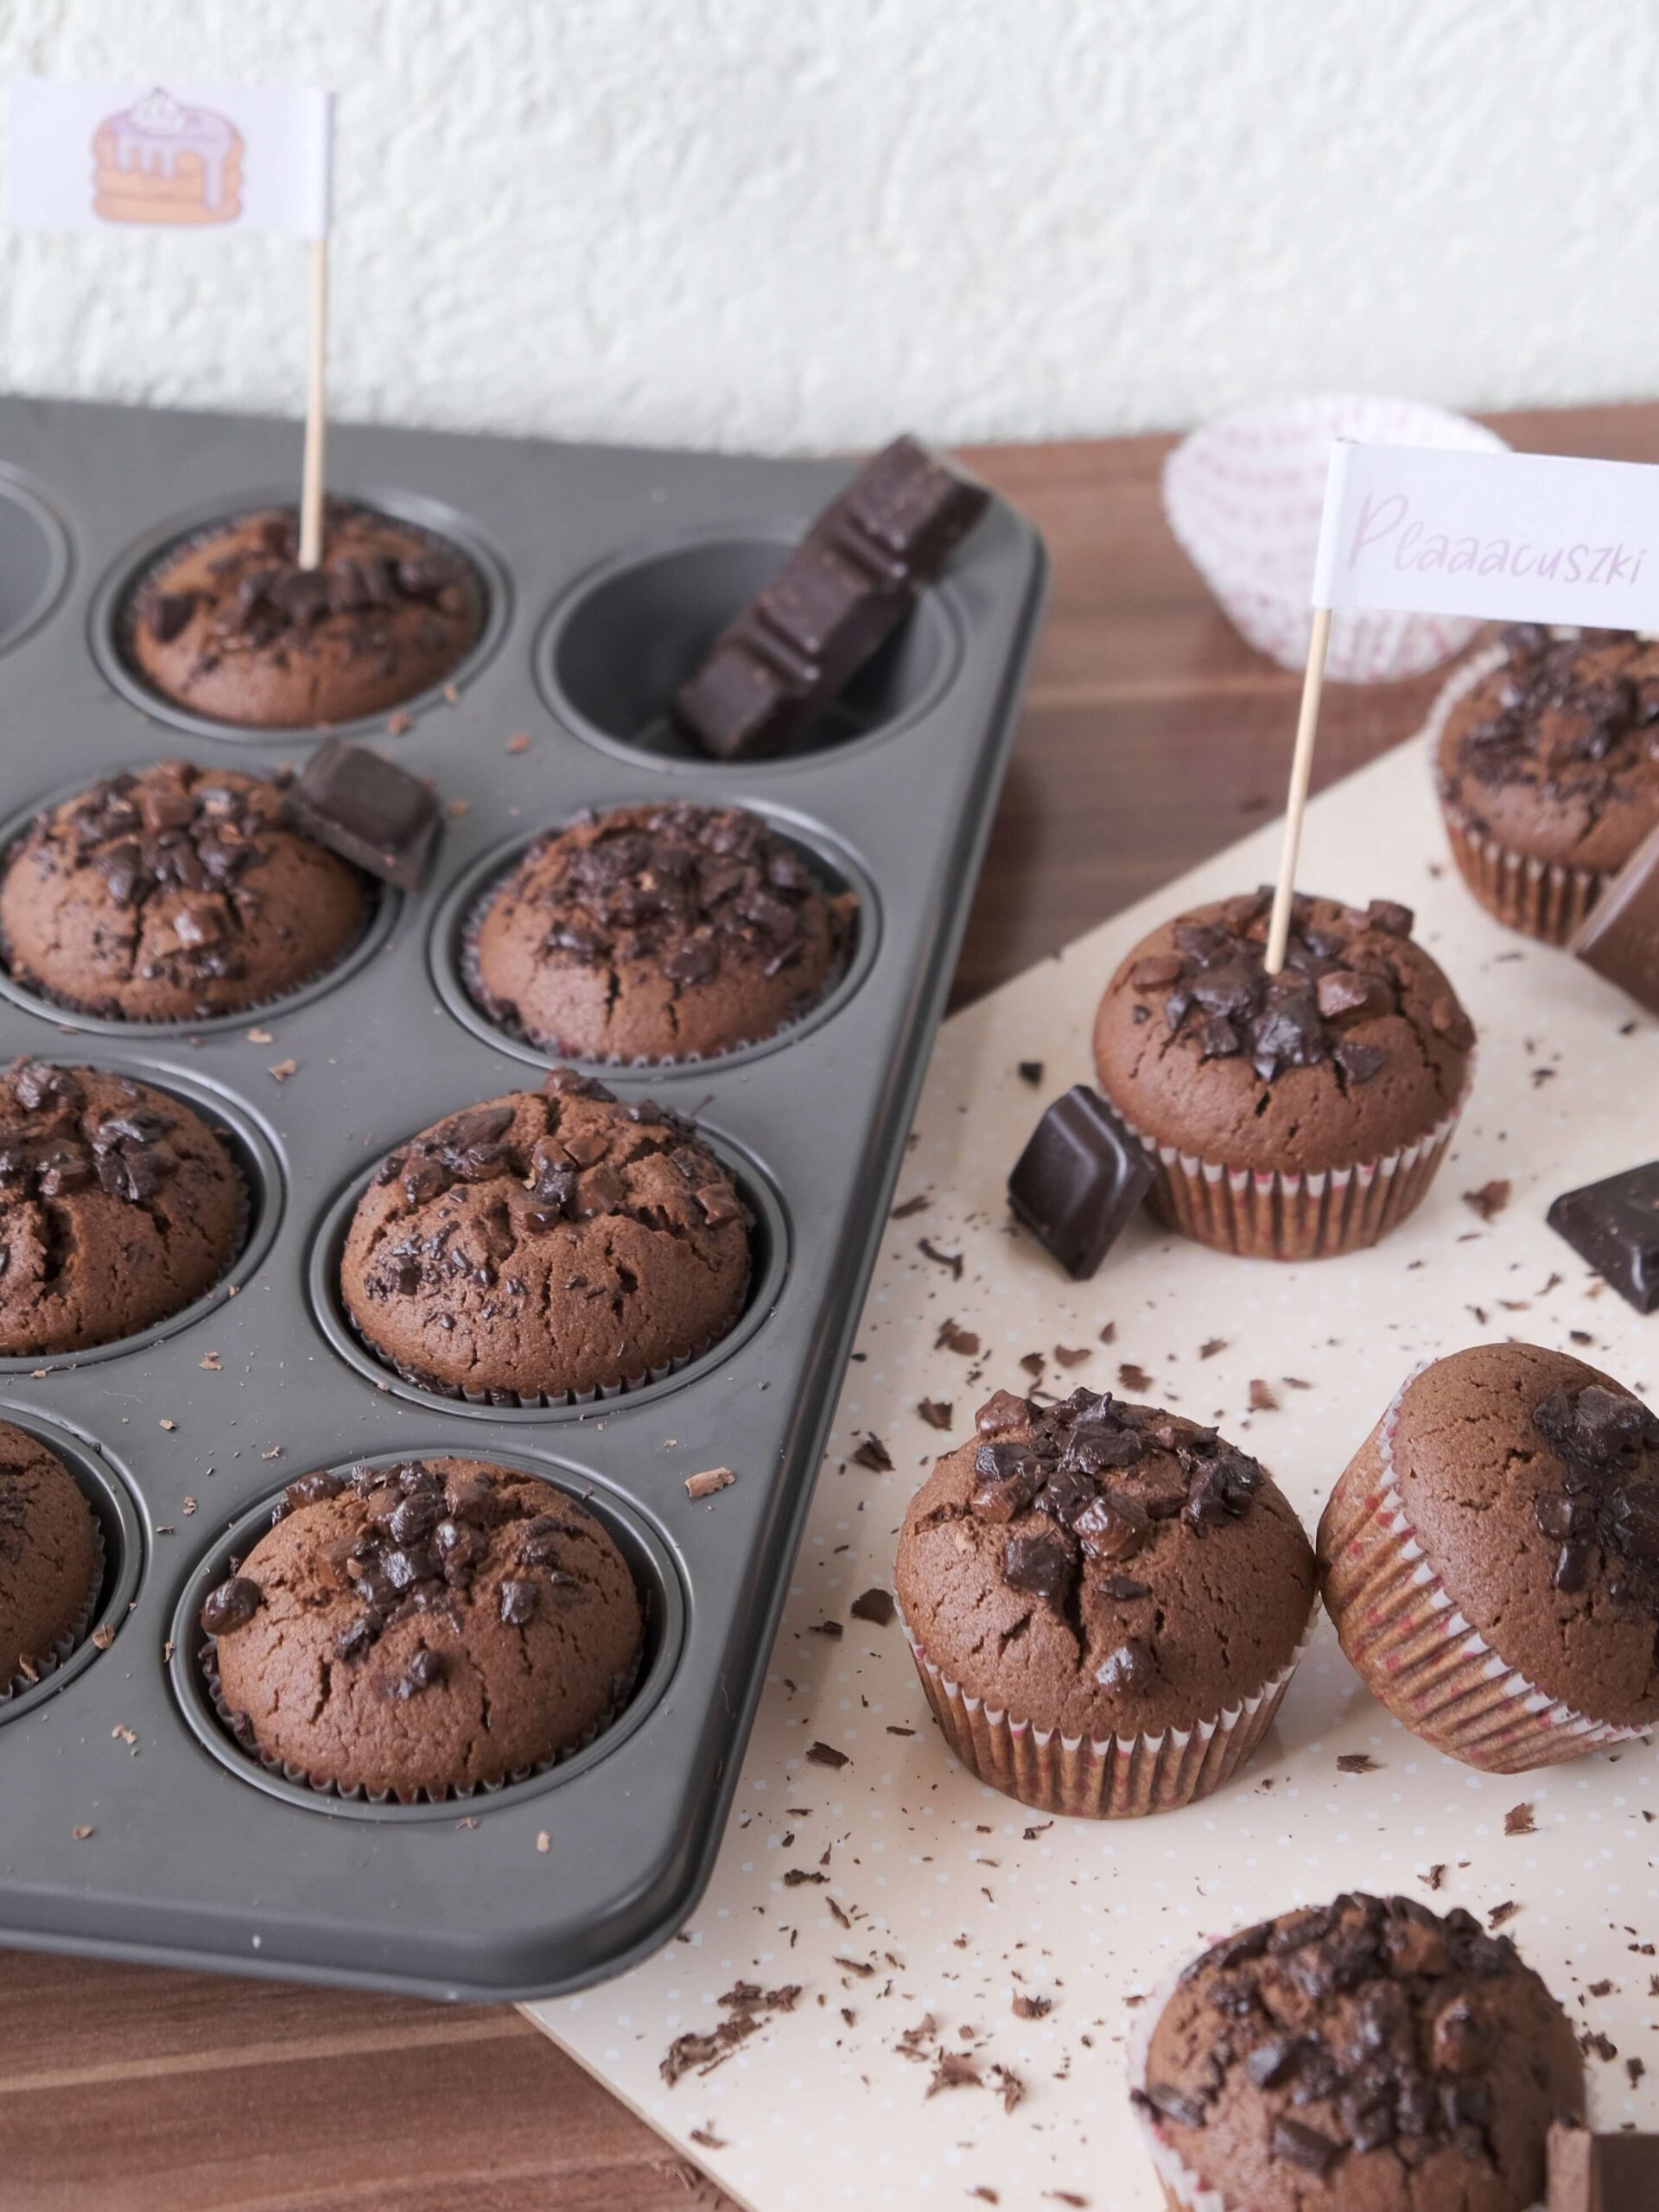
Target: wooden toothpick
{"points": [[311, 482], [1300, 768]]}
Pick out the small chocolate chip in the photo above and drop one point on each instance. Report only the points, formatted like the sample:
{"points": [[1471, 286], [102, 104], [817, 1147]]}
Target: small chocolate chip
{"points": [[231, 1606]]}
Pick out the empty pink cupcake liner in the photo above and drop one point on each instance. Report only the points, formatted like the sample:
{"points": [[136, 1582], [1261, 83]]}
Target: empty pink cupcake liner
{"points": [[1119, 1777], [1405, 1635], [44, 1665]]}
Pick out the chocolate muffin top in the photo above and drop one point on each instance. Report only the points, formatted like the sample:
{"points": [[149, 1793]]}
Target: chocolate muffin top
{"points": [[118, 1206], [1356, 1048], [1370, 2055], [174, 894], [48, 1553], [1555, 753], [1532, 1483], [547, 1244], [232, 627], [655, 932], [1103, 1568], [425, 1626]]}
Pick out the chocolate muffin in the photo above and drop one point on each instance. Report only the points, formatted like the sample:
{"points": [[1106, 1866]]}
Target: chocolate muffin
{"points": [[118, 1206], [1548, 770], [1491, 1558], [174, 894], [231, 626], [547, 1245], [656, 933], [49, 1559], [1367, 2056], [1104, 1602], [1293, 1116], [429, 1626]]}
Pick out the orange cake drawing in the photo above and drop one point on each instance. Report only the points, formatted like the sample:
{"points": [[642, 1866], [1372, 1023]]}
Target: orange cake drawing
{"points": [[161, 161]]}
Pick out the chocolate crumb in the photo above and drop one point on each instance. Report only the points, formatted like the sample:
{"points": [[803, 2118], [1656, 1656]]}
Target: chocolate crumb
{"points": [[1356, 1763], [1519, 1820], [875, 1606], [873, 1453], [1490, 1200], [708, 1481], [819, 1754]]}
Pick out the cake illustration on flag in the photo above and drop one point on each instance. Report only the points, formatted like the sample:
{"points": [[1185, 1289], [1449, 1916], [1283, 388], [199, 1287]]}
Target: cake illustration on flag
{"points": [[161, 161]]}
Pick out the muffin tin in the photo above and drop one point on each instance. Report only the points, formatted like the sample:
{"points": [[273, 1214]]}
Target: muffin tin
{"points": [[606, 570]]}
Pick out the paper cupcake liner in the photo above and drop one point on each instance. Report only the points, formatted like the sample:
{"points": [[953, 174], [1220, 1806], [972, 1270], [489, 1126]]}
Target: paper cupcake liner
{"points": [[552, 1400], [73, 1637], [254, 1010], [239, 1728], [1114, 1778], [476, 989], [1244, 495], [1545, 899], [1291, 1216], [1414, 1651]]}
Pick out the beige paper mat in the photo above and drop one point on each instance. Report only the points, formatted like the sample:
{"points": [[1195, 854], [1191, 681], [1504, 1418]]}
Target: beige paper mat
{"points": [[895, 1887]]}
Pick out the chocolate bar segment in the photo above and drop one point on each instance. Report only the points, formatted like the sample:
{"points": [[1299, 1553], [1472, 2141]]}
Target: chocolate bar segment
{"points": [[1601, 2173], [365, 809], [839, 596], [1619, 937], [1615, 1226], [1080, 1181]]}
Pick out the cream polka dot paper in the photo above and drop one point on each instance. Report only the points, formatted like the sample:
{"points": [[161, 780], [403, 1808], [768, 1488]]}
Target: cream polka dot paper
{"points": [[969, 1973]]}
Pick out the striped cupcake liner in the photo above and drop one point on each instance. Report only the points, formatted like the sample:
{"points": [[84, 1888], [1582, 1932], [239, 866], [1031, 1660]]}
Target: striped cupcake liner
{"points": [[1280, 1215], [1113, 1778], [552, 1400], [1406, 1638], [42, 1666], [240, 1730]]}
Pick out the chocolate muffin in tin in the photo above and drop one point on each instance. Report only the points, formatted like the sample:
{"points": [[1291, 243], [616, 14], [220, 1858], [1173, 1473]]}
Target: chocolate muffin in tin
{"points": [[119, 1208], [175, 894], [231, 626], [423, 1629], [547, 1246], [657, 932], [51, 1560]]}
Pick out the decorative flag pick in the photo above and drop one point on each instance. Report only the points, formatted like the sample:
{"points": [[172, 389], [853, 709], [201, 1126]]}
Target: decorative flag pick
{"points": [[1512, 536], [215, 158]]}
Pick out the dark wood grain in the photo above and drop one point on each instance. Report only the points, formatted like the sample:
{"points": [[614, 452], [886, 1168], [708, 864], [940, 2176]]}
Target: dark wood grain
{"points": [[1152, 737]]}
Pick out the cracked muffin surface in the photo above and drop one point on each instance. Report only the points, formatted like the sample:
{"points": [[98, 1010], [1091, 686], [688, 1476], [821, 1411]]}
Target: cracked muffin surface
{"points": [[231, 626], [174, 894], [1358, 1048], [48, 1553], [424, 1626], [656, 932], [118, 1207], [1103, 1568], [548, 1244]]}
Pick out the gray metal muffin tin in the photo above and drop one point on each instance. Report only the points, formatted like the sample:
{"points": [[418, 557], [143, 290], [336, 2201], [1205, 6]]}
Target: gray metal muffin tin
{"points": [[607, 570]]}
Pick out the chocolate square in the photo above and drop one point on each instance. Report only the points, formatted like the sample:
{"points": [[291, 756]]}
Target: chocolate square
{"points": [[1080, 1181], [1615, 1226], [367, 808], [1601, 2173], [1619, 937]]}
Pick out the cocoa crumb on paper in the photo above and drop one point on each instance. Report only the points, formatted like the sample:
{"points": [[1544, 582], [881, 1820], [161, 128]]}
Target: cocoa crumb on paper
{"points": [[1261, 1398], [1034, 1362], [1490, 1200], [1134, 1377], [710, 1480], [1356, 1763], [1072, 1355], [953, 1337], [937, 1413], [1032, 2008], [1109, 1334], [955, 2069], [1210, 1346], [1519, 1820], [951, 1261], [748, 2009], [873, 1453], [819, 1754], [1500, 1913], [1435, 1875], [875, 1606], [1030, 1071], [919, 1204]]}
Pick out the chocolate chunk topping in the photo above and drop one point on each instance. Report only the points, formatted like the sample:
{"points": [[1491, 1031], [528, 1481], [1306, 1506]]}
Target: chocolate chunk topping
{"points": [[1608, 1444], [1572, 718], [52, 1152], [231, 1606], [1039, 1564]]}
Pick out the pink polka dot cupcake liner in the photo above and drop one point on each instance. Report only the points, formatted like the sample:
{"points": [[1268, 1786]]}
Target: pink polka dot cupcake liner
{"points": [[1416, 1652], [1117, 1778]]}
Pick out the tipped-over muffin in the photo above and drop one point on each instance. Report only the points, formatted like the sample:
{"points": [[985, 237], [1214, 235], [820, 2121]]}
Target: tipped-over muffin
{"points": [[174, 894]]}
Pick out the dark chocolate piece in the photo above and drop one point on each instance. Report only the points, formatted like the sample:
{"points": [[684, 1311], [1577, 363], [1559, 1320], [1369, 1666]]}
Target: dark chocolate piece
{"points": [[1615, 1226], [1619, 937], [839, 596], [367, 810], [1601, 2173], [1079, 1180]]}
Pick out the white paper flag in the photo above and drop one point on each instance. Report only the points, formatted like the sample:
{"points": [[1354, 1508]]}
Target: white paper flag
{"points": [[1520, 537], [230, 157]]}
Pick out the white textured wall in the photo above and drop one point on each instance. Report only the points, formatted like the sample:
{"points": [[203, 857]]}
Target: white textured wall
{"points": [[802, 223]]}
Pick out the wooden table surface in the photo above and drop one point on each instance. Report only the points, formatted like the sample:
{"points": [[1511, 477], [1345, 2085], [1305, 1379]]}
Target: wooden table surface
{"points": [[1152, 737]]}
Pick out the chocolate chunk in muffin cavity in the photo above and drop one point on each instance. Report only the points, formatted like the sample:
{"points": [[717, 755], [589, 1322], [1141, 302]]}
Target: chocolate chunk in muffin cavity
{"points": [[547, 1244], [839, 596], [1080, 1181], [118, 1206], [48, 1555], [1392, 2055], [174, 893], [1614, 1224], [231, 626], [1619, 937], [1104, 1568], [367, 808], [428, 1625], [659, 932]]}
